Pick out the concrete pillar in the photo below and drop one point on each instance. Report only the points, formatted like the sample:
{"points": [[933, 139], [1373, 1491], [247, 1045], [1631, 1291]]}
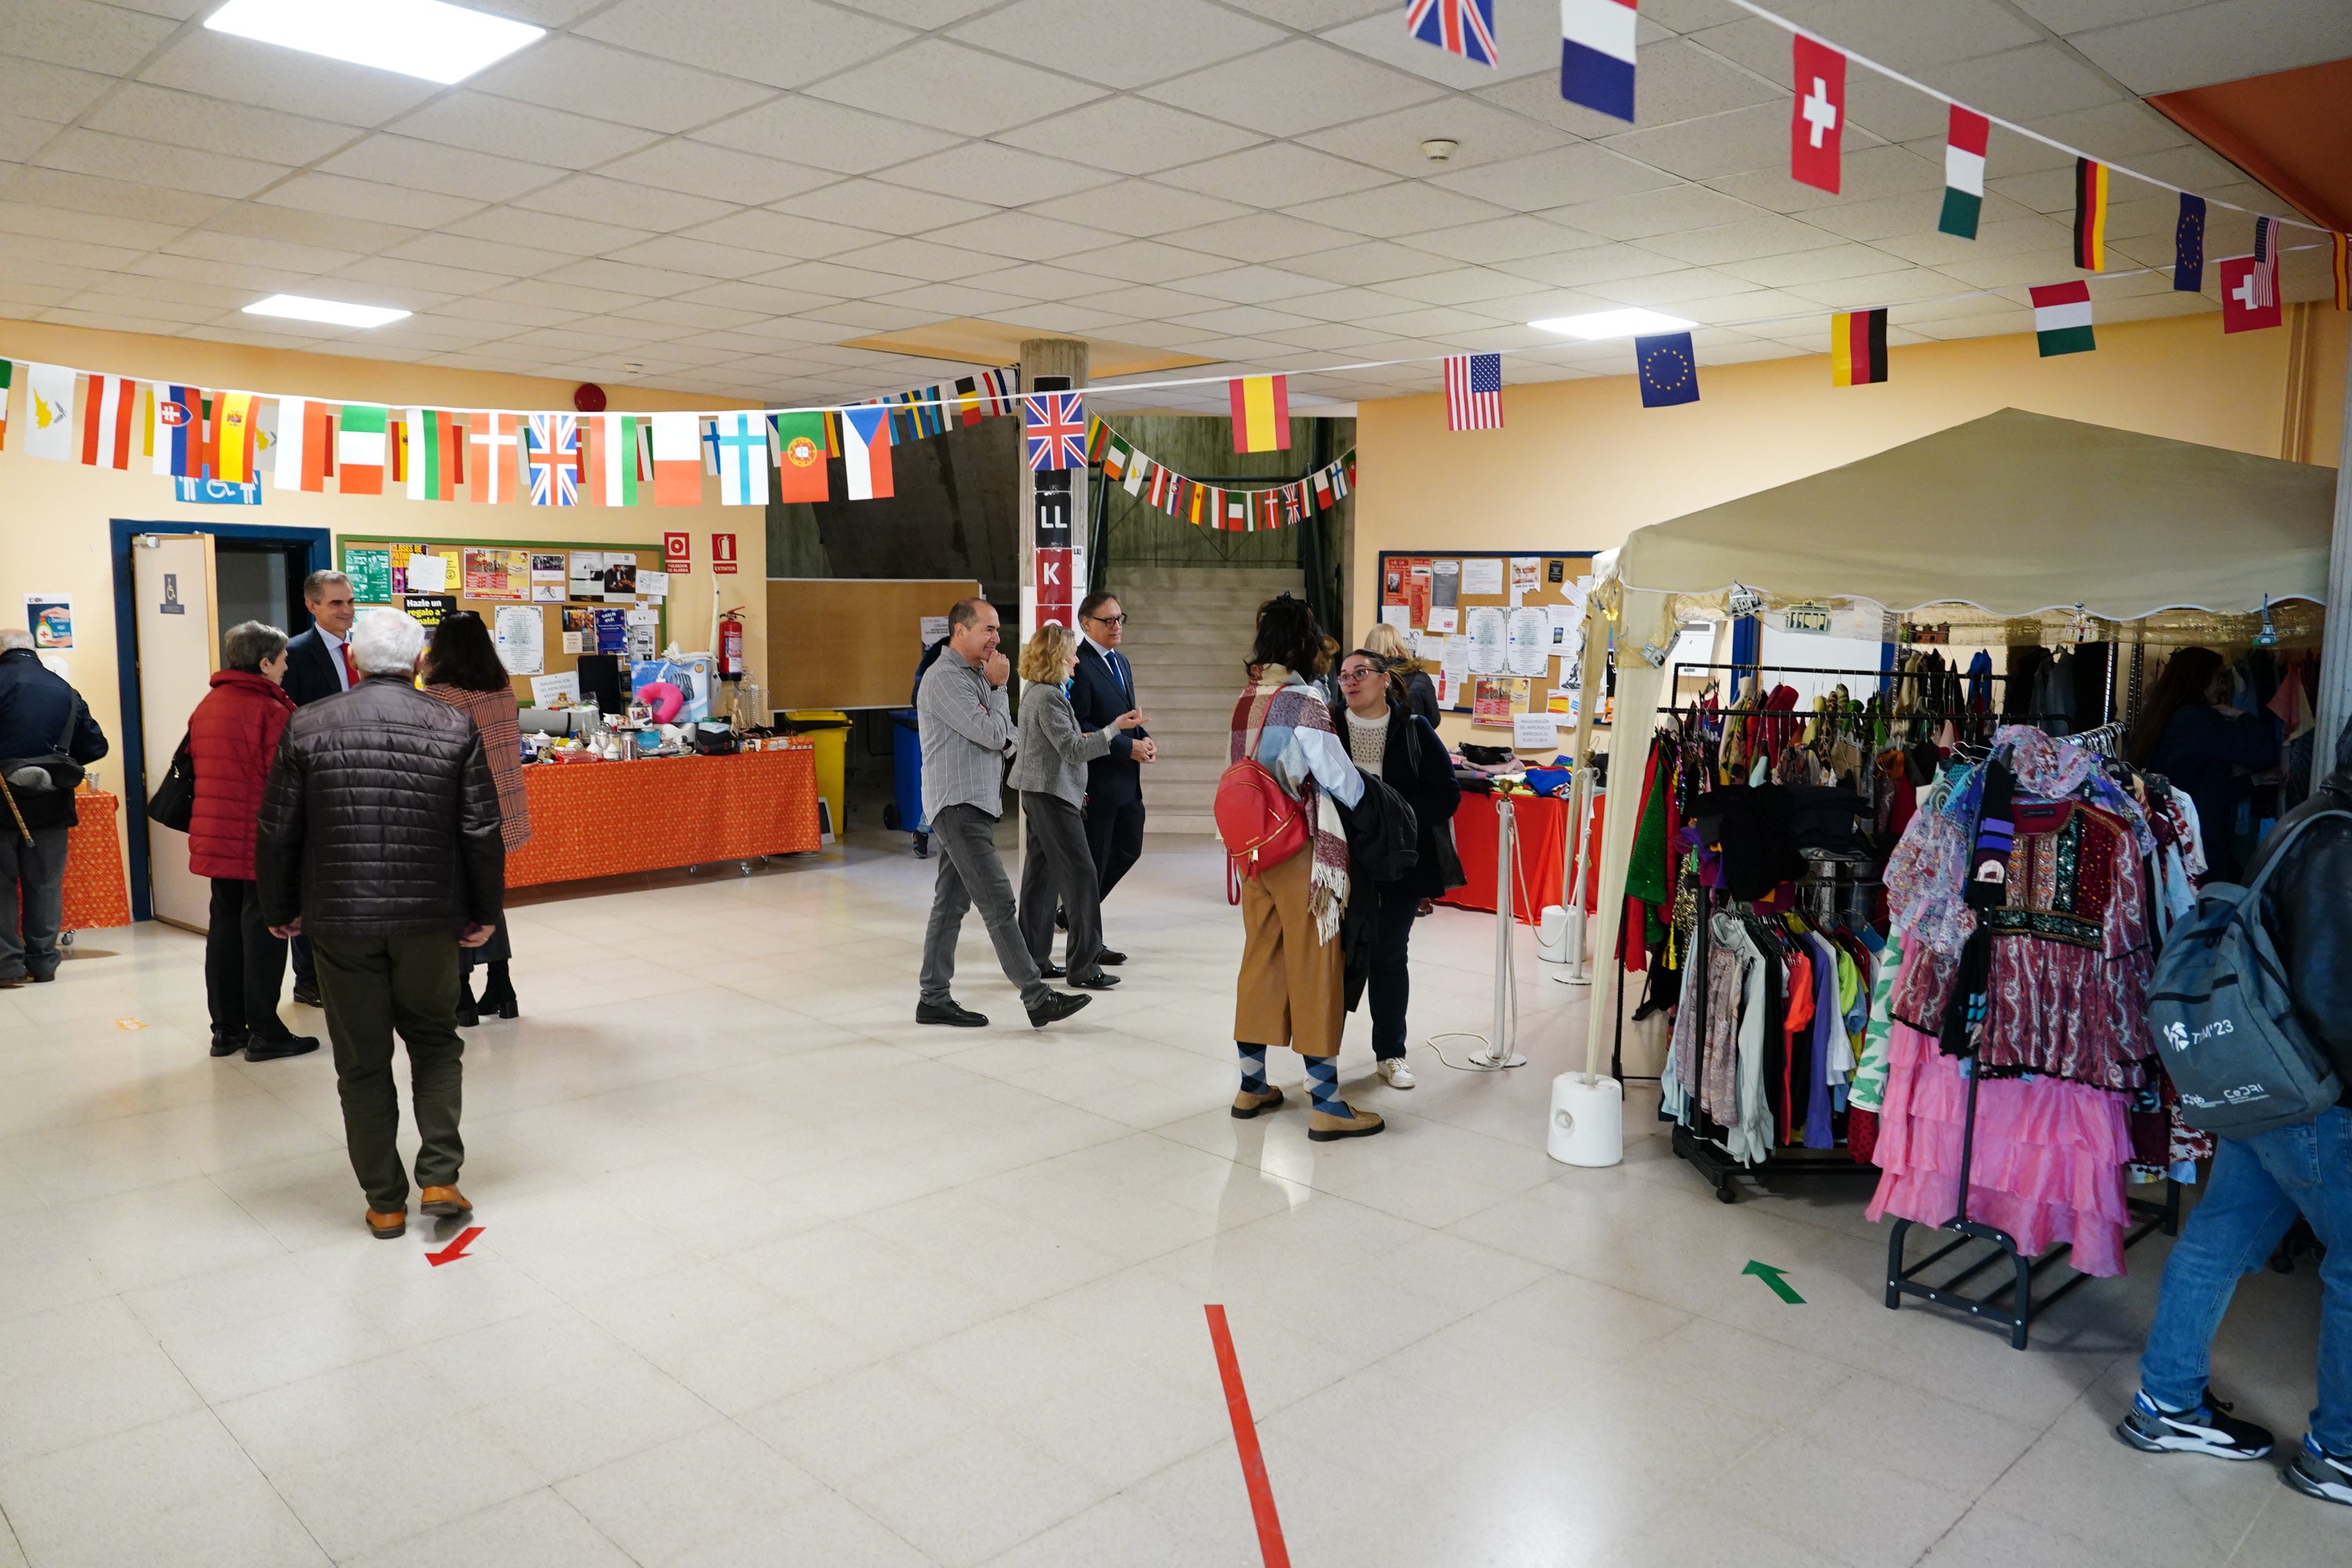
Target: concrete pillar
{"points": [[1043, 360], [2335, 704]]}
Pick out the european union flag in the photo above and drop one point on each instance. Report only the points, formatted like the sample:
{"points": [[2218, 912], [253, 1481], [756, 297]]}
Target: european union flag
{"points": [[1669, 368], [2189, 246]]}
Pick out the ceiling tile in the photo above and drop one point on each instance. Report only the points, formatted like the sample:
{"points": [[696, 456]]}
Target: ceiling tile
{"points": [[1910, 37], [1035, 280], [98, 228], [1254, 286], [1481, 132], [1582, 268], [1719, 144], [946, 85], [481, 254], [1026, 237], [21, 138], [951, 301], [2196, 46], [1003, 176], [1824, 265], [341, 197], [2018, 84], [624, 278], [1262, 237], [722, 174], [1142, 300], [1132, 135], [1275, 174], [1141, 208], [39, 90], [828, 135], [1869, 172], [624, 202], [1872, 289], [504, 126], [1408, 207], [1502, 239], [1375, 261], [1313, 16], [784, 43], [452, 171], [586, 78], [1295, 87], [892, 209], [331, 232], [126, 158], [1440, 321], [81, 33], [760, 299], [1141, 262], [693, 255], [1459, 286], [1744, 241], [1583, 172], [832, 280], [2022, 235], [781, 234], [1894, 111], [921, 260], [1666, 288], [1122, 46], [1645, 213]]}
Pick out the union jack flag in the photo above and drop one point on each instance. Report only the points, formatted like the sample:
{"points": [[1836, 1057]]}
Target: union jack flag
{"points": [[550, 455], [1055, 423], [1464, 28]]}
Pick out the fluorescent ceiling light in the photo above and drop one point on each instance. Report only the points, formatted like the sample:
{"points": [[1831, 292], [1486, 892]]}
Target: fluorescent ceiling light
{"points": [[425, 38], [1603, 325], [334, 312]]}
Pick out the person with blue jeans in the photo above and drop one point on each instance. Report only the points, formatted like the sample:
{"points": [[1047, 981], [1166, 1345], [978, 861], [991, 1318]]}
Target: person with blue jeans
{"points": [[2259, 1185]]}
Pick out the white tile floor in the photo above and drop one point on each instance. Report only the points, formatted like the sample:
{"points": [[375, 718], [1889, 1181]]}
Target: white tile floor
{"points": [[771, 1276]]}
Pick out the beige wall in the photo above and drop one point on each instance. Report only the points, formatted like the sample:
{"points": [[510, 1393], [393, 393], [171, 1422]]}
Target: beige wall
{"points": [[54, 516], [1581, 464]]}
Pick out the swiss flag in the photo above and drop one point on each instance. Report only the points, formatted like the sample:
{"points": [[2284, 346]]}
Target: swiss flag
{"points": [[1817, 120], [2249, 298]]}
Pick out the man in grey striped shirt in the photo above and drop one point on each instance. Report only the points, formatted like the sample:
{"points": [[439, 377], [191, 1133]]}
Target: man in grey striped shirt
{"points": [[968, 732]]}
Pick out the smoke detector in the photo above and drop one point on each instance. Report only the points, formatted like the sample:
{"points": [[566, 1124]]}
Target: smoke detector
{"points": [[1438, 149]]}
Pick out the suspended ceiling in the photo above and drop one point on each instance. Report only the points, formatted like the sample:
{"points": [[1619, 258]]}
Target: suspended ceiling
{"points": [[724, 193]]}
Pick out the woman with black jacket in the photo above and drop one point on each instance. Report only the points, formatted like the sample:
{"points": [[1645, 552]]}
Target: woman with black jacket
{"points": [[1386, 739]]}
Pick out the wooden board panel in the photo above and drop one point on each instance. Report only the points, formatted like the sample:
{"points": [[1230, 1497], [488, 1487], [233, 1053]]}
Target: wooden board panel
{"points": [[647, 557], [849, 642]]}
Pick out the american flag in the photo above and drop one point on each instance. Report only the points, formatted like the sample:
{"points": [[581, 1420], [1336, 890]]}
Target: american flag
{"points": [[550, 455], [1473, 392], [1056, 428], [1464, 28]]}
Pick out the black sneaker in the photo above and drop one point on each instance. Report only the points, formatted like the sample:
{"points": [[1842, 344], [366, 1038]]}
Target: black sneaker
{"points": [[262, 1050], [2317, 1473], [950, 1014], [2207, 1429], [308, 997], [229, 1042], [1056, 1008]]}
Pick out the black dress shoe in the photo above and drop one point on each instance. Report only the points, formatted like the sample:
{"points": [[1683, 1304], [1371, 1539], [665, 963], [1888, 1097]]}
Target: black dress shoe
{"points": [[308, 997], [508, 1007], [1051, 972], [262, 1050], [469, 1014], [1097, 981], [1056, 1008], [229, 1042], [1110, 955], [950, 1014]]}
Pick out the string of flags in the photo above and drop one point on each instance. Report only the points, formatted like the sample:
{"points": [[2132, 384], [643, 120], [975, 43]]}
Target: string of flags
{"points": [[1235, 510]]}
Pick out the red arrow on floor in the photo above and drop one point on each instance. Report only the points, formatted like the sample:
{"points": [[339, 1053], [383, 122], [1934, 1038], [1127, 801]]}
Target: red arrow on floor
{"points": [[455, 1249]]}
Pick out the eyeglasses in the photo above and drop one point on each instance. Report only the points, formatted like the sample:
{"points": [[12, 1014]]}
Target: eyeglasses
{"points": [[1350, 675], [1108, 620]]}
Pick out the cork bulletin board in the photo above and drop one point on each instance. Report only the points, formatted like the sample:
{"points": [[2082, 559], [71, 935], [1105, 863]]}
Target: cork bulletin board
{"points": [[842, 642], [1435, 598], [515, 585]]}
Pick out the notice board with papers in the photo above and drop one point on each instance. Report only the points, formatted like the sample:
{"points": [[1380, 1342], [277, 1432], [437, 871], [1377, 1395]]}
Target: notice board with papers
{"points": [[1505, 623], [545, 602]]}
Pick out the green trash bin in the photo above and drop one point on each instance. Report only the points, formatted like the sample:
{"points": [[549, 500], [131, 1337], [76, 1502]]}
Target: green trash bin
{"points": [[829, 729]]}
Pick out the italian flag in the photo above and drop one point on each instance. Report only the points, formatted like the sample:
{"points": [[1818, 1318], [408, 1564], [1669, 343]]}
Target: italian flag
{"points": [[2062, 318], [1963, 164]]}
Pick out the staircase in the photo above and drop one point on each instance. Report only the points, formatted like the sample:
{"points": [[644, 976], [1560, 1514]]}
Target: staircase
{"points": [[1189, 629]]}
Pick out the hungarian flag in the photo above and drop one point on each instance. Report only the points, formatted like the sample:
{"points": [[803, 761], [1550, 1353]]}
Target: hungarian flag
{"points": [[1261, 406], [1817, 122], [1964, 167], [801, 474], [110, 422], [677, 459], [866, 452], [2090, 215], [2062, 318], [436, 454], [7, 379], [1858, 348], [2189, 246], [491, 442], [1596, 55], [306, 433], [742, 458], [362, 447]]}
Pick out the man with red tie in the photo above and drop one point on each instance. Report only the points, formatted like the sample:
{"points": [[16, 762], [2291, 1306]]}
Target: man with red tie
{"points": [[319, 664]]}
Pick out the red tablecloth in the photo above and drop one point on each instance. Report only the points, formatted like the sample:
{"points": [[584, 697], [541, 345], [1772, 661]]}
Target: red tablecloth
{"points": [[1542, 831], [96, 893], [606, 819]]}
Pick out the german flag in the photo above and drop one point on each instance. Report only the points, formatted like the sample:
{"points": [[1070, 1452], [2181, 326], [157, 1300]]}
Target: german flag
{"points": [[2090, 215], [1858, 347]]}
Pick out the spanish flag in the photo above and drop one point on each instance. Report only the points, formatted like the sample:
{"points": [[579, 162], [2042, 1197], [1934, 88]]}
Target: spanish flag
{"points": [[1261, 413], [2090, 215], [2339, 269], [1858, 347]]}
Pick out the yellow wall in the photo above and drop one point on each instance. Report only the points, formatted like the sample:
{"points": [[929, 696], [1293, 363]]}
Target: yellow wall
{"points": [[1581, 464], [54, 516]]}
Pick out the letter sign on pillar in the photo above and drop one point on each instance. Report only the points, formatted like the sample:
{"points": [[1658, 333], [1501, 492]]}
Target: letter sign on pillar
{"points": [[1055, 599]]}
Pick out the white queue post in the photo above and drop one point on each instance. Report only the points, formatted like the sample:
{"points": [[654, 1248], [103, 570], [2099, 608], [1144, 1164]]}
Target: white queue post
{"points": [[1577, 972], [1498, 1053]]}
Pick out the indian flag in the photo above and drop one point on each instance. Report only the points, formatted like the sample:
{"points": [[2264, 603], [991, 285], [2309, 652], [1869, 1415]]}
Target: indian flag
{"points": [[2062, 318], [1964, 167]]}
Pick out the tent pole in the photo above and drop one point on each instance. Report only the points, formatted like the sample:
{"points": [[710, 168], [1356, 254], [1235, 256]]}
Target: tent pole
{"points": [[2336, 652]]}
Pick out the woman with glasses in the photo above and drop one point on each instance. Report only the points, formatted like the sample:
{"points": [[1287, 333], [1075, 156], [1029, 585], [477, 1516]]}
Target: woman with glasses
{"points": [[1050, 771], [1388, 740], [1420, 690]]}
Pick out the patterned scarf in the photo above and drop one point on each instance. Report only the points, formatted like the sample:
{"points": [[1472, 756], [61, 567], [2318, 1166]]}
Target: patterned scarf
{"points": [[1286, 704]]}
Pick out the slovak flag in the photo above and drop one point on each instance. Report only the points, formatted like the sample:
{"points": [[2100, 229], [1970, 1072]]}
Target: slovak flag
{"points": [[1596, 55], [1464, 28]]}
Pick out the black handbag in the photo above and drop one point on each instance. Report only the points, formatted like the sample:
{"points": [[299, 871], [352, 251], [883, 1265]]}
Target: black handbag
{"points": [[174, 804]]}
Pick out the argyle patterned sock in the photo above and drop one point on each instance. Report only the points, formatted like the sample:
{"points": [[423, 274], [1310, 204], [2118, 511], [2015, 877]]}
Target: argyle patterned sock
{"points": [[1253, 1067], [1323, 1083]]}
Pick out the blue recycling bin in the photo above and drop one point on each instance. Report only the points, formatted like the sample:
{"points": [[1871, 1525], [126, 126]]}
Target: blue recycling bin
{"points": [[906, 768]]}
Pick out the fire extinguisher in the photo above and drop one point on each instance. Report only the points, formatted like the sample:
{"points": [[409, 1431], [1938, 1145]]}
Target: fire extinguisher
{"points": [[730, 645]]}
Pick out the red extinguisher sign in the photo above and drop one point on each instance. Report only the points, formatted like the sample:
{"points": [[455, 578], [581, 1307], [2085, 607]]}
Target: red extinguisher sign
{"points": [[723, 554]]}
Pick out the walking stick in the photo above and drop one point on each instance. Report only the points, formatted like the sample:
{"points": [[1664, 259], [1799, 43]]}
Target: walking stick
{"points": [[19, 815]]}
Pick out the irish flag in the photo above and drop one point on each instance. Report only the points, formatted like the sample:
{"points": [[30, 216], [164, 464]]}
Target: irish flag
{"points": [[1964, 167], [2062, 318]]}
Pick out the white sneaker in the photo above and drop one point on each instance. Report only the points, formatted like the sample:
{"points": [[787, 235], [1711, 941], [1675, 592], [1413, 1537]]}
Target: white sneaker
{"points": [[1394, 1073]]}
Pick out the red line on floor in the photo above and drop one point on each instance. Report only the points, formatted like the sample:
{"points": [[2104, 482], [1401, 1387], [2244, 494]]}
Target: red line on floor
{"points": [[1261, 1490]]}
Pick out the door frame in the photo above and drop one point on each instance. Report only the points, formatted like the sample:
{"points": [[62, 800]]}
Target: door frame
{"points": [[318, 542]]}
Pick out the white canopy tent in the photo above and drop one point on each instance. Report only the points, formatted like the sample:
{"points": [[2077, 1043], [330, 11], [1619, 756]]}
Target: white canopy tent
{"points": [[2015, 514]]}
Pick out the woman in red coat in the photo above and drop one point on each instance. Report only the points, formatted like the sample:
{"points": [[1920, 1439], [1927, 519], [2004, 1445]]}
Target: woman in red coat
{"points": [[231, 736]]}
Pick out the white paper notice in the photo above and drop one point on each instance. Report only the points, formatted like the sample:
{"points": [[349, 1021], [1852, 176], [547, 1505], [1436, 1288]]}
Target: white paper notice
{"points": [[571, 642], [1482, 576], [1457, 659], [1564, 620], [641, 617], [545, 690], [547, 593], [931, 629], [1534, 731], [428, 574], [1447, 620], [520, 633], [652, 585], [1529, 641], [1487, 630], [1399, 616]]}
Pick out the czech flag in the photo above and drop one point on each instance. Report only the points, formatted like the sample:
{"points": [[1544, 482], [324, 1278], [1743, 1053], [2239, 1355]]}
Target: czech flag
{"points": [[866, 452]]}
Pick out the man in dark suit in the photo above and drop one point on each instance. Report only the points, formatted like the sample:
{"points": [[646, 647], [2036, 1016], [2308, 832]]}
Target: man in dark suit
{"points": [[319, 664], [1102, 688]]}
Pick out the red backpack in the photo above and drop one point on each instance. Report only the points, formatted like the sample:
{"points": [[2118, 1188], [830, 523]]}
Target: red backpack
{"points": [[1260, 823]]}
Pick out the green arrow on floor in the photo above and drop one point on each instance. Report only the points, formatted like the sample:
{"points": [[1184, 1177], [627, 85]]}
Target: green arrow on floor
{"points": [[1772, 1276]]}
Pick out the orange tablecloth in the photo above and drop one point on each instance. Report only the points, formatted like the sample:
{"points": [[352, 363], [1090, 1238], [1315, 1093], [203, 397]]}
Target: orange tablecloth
{"points": [[606, 819], [96, 892]]}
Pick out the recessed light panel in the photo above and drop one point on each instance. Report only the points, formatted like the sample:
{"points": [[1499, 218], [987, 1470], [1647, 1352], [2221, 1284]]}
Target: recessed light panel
{"points": [[426, 39], [334, 312], [1603, 325]]}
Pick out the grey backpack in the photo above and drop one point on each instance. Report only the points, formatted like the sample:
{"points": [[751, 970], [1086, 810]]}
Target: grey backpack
{"points": [[2223, 1014]]}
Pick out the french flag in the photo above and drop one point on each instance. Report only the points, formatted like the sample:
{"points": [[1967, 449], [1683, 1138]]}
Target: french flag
{"points": [[1596, 55]]}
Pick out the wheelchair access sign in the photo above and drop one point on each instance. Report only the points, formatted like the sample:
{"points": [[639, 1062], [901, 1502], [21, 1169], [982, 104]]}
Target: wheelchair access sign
{"points": [[215, 492]]}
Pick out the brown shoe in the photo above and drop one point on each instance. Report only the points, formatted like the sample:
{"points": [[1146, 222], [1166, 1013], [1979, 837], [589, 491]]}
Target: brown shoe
{"points": [[385, 1227], [1323, 1128], [1247, 1105], [444, 1202]]}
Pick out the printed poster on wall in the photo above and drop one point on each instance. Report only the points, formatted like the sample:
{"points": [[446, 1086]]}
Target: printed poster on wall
{"points": [[49, 617], [1523, 572], [429, 608], [1416, 590], [1486, 632], [520, 633], [370, 570], [400, 555], [1444, 585], [612, 631], [587, 580], [621, 577], [1490, 702], [1528, 642], [1482, 576], [498, 575]]}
